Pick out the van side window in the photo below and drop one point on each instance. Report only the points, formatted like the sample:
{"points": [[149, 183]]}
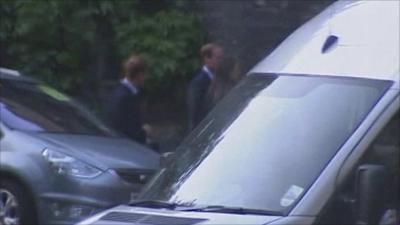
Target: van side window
{"points": [[384, 151]]}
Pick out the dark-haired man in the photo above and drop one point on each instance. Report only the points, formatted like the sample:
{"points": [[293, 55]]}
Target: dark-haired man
{"points": [[123, 111], [211, 54]]}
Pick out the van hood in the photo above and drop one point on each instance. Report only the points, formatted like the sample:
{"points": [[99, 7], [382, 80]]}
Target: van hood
{"points": [[102, 152], [131, 215]]}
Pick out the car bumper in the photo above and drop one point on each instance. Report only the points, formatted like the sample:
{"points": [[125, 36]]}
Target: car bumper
{"points": [[77, 199]]}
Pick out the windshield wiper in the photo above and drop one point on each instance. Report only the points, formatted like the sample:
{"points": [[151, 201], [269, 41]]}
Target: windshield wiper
{"points": [[210, 208], [233, 210], [154, 204]]}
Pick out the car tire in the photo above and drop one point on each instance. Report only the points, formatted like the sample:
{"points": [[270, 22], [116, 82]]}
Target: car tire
{"points": [[16, 206]]}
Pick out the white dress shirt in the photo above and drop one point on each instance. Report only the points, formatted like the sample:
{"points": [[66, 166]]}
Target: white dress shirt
{"points": [[208, 72], [130, 86]]}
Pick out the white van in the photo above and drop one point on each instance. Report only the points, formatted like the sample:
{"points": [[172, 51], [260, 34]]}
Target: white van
{"points": [[311, 136]]}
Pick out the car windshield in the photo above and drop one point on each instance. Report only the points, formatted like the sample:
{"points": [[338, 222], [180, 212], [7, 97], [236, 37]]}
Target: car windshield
{"points": [[266, 143], [30, 106]]}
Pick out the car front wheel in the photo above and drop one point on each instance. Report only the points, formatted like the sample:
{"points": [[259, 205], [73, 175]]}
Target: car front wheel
{"points": [[15, 206]]}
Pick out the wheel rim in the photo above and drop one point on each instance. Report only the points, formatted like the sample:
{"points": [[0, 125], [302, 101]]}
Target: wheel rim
{"points": [[9, 213]]}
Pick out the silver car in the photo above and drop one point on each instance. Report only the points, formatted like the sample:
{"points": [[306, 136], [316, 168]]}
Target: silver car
{"points": [[58, 163], [311, 135]]}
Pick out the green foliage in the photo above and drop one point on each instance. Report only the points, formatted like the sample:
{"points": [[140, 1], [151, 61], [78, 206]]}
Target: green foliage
{"points": [[69, 43], [168, 39], [49, 39]]}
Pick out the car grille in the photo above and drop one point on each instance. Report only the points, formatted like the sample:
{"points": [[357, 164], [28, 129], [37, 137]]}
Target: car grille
{"points": [[135, 176], [137, 218]]}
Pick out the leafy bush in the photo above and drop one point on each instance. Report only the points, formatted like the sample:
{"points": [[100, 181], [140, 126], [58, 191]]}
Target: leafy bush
{"points": [[78, 45], [168, 39]]}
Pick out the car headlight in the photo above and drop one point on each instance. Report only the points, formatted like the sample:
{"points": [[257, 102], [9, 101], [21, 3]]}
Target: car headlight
{"points": [[67, 165]]}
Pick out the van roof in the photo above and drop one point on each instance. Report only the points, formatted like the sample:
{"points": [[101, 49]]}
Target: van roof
{"points": [[349, 38]]}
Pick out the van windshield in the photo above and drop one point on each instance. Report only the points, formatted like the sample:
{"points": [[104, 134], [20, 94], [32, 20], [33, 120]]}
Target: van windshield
{"points": [[265, 144], [30, 106]]}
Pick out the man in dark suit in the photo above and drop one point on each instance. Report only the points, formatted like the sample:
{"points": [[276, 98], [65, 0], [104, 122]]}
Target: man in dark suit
{"points": [[124, 113], [198, 87]]}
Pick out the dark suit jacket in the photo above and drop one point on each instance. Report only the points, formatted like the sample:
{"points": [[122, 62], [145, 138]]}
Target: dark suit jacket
{"points": [[196, 98], [124, 115]]}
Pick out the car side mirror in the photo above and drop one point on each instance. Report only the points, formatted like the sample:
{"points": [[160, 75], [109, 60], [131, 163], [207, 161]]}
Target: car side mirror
{"points": [[370, 191], [166, 159]]}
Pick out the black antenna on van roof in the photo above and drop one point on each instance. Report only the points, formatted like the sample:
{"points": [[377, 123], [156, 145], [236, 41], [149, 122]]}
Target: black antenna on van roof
{"points": [[331, 40]]}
